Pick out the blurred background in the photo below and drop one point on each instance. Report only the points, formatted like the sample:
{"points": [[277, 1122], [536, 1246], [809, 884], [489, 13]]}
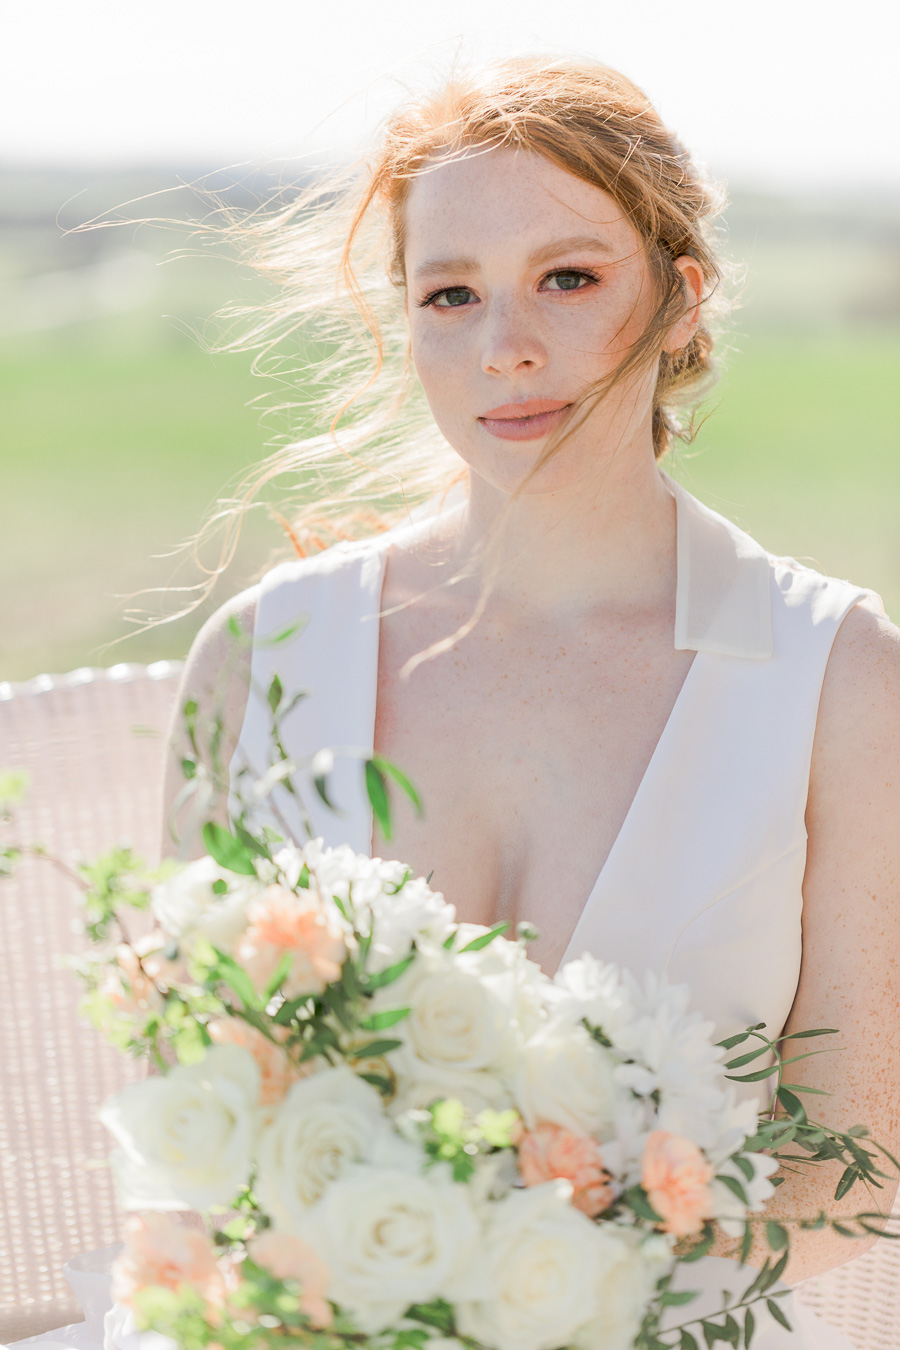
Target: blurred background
{"points": [[119, 430]]}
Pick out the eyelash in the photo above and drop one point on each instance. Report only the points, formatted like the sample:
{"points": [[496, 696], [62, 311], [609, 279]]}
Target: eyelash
{"points": [[585, 272]]}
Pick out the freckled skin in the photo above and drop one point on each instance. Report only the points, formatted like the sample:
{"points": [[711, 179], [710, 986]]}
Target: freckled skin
{"points": [[529, 737]]}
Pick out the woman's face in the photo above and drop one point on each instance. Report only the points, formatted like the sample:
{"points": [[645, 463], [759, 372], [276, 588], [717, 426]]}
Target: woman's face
{"points": [[525, 286]]}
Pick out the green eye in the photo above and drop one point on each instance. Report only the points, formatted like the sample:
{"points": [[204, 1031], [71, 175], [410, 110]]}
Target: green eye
{"points": [[453, 296], [567, 281]]}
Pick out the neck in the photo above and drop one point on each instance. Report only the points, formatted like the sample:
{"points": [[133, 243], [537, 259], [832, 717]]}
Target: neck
{"points": [[561, 554]]}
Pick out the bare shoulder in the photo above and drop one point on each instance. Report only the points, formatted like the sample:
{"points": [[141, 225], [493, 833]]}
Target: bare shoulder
{"points": [[859, 712], [216, 680], [854, 799]]}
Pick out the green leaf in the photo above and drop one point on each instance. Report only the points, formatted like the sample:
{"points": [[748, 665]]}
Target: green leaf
{"points": [[735, 1187], [748, 1057], [438, 1314], [484, 938], [636, 1198], [746, 1242], [189, 768], [250, 842], [380, 978], [756, 1077], [687, 1341], [400, 778], [749, 1326], [381, 1021], [275, 693], [374, 1049], [287, 632], [732, 1041], [776, 1236], [848, 1180], [791, 1104], [228, 851], [281, 973], [220, 887], [707, 1238], [384, 1085], [744, 1165], [236, 978], [778, 1313], [377, 792], [804, 1035], [676, 1299]]}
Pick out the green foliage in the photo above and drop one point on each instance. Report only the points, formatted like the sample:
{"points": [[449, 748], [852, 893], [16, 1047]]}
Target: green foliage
{"points": [[484, 938], [454, 1135], [229, 851], [13, 790]]}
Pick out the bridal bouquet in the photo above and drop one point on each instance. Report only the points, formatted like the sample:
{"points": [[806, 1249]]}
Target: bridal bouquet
{"points": [[400, 1130], [372, 1125]]}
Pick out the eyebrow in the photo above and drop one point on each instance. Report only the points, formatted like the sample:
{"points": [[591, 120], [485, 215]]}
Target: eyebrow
{"points": [[440, 266]]}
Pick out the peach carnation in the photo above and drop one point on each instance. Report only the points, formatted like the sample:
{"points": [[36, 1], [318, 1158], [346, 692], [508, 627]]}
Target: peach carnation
{"points": [[677, 1177], [289, 1258], [282, 921], [160, 1251], [550, 1151], [276, 1069]]}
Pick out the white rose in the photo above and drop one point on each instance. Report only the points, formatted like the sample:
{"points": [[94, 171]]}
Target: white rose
{"points": [[186, 904], [540, 1265], [420, 1084], [325, 1124], [187, 1138], [467, 1011], [391, 1238], [566, 1078], [626, 1281]]}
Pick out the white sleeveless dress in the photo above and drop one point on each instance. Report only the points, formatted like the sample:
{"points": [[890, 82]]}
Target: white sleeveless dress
{"points": [[704, 879]]}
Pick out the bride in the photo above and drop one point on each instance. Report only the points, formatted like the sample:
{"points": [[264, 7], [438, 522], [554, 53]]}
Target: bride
{"points": [[628, 723]]}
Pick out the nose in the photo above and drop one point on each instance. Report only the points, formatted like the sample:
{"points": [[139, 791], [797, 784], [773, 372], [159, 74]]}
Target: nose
{"points": [[510, 343]]}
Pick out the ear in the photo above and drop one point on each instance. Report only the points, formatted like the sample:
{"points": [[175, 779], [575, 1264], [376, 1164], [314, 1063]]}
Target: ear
{"points": [[686, 327]]}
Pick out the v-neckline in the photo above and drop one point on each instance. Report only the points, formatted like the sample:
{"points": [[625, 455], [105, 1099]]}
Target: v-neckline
{"points": [[649, 773]]}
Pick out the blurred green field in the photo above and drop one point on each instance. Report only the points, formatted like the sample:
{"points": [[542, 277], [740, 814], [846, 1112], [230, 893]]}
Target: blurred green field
{"points": [[119, 432], [119, 453]]}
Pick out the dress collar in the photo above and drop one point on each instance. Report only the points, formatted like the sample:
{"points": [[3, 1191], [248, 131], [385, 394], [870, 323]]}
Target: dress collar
{"points": [[723, 600]]}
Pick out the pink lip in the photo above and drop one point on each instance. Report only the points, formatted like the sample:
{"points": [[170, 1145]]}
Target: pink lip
{"points": [[526, 421], [530, 408]]}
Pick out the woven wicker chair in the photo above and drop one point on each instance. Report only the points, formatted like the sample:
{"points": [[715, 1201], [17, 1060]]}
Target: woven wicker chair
{"points": [[92, 742]]}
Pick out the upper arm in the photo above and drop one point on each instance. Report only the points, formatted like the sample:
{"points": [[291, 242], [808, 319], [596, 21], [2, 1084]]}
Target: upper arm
{"points": [[850, 970], [216, 678]]}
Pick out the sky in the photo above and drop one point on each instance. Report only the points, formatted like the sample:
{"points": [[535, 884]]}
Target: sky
{"points": [[774, 94]]}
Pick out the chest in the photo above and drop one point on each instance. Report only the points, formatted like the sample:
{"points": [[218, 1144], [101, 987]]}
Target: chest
{"points": [[527, 749]]}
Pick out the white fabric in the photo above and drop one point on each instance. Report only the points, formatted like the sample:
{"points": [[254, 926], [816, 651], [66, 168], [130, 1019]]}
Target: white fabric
{"points": [[723, 798], [704, 879]]}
